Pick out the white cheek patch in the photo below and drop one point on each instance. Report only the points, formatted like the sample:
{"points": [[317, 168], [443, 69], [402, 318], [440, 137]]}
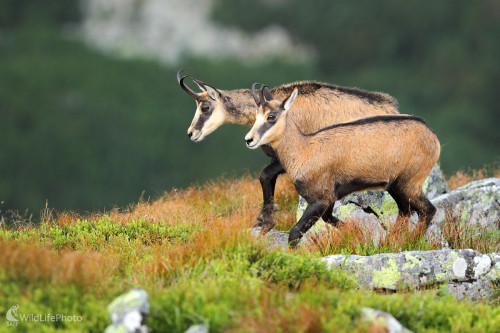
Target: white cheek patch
{"points": [[216, 119], [195, 120]]}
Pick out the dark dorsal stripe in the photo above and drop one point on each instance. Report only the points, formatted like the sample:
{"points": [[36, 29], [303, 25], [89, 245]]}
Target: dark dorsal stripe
{"points": [[311, 87], [367, 121]]}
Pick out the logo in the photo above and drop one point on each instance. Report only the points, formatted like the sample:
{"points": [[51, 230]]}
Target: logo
{"points": [[11, 315]]}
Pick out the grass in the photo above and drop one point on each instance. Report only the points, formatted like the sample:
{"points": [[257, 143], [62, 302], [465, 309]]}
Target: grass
{"points": [[188, 251]]}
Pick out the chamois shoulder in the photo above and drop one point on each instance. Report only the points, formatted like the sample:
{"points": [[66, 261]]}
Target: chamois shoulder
{"points": [[371, 120], [313, 87]]}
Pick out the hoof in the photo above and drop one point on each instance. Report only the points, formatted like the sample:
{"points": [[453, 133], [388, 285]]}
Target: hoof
{"points": [[265, 221]]}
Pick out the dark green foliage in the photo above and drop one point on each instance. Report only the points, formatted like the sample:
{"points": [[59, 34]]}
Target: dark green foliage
{"points": [[14, 13]]}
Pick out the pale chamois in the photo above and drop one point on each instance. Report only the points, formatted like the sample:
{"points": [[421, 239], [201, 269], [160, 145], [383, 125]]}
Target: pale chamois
{"points": [[391, 152], [317, 105]]}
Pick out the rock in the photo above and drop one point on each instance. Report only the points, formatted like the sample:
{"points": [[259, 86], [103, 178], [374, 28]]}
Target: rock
{"points": [[273, 238], [494, 273], [416, 269], [381, 321], [128, 313], [476, 290], [476, 203], [197, 329], [435, 185]]}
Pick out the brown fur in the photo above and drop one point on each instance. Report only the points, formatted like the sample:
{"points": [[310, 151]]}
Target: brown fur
{"points": [[379, 152]]}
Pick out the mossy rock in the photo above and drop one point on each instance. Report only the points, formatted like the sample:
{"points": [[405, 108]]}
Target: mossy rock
{"points": [[476, 203]]}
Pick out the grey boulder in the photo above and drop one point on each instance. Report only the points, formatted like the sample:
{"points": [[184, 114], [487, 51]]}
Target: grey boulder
{"points": [[128, 312]]}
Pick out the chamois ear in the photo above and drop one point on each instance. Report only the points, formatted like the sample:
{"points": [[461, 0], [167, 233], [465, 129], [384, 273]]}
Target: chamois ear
{"points": [[267, 94], [287, 103], [212, 92], [200, 85]]}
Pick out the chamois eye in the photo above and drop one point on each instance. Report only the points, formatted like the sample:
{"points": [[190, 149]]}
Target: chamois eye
{"points": [[271, 117], [205, 108]]}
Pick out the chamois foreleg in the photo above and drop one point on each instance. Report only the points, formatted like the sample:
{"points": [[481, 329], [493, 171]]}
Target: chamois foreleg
{"points": [[329, 218], [267, 178], [311, 214]]}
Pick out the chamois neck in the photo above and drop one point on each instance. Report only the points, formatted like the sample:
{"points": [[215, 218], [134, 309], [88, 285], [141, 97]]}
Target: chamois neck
{"points": [[291, 140], [240, 107]]}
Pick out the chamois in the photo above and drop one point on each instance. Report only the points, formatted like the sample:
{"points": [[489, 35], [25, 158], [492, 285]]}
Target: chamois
{"points": [[391, 152], [317, 105]]}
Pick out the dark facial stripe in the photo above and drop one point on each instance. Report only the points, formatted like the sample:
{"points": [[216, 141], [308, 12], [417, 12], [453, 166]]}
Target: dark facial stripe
{"points": [[204, 116], [264, 128]]}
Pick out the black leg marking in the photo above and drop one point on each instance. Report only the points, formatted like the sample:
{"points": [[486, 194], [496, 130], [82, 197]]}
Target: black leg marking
{"points": [[424, 208], [267, 178], [344, 188], [312, 213], [402, 200], [328, 216]]}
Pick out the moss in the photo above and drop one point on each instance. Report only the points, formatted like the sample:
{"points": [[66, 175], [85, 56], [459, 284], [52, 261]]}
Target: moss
{"points": [[411, 261], [466, 214], [345, 211], [387, 277], [300, 208], [425, 186], [486, 198], [440, 277], [389, 208], [452, 257]]}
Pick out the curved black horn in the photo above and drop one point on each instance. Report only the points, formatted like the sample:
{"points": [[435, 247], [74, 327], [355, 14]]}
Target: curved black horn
{"points": [[186, 88], [262, 92], [254, 93]]}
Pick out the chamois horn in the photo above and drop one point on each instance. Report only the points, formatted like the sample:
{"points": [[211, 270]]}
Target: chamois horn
{"points": [[254, 93], [186, 88], [264, 86]]}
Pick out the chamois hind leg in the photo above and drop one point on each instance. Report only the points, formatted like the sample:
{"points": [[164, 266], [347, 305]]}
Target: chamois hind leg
{"points": [[402, 200], [311, 214], [267, 178], [424, 208], [328, 216]]}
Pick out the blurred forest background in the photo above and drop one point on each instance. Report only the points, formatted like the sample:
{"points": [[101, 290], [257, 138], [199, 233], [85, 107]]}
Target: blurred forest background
{"points": [[91, 115]]}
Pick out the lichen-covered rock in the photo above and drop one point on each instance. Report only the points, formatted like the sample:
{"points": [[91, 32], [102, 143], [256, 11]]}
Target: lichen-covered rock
{"points": [[128, 312], [494, 273], [197, 329], [476, 203], [380, 321], [414, 268], [475, 290], [273, 238], [435, 185]]}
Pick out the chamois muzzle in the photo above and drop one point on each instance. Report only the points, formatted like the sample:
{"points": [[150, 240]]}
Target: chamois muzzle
{"points": [[186, 88]]}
